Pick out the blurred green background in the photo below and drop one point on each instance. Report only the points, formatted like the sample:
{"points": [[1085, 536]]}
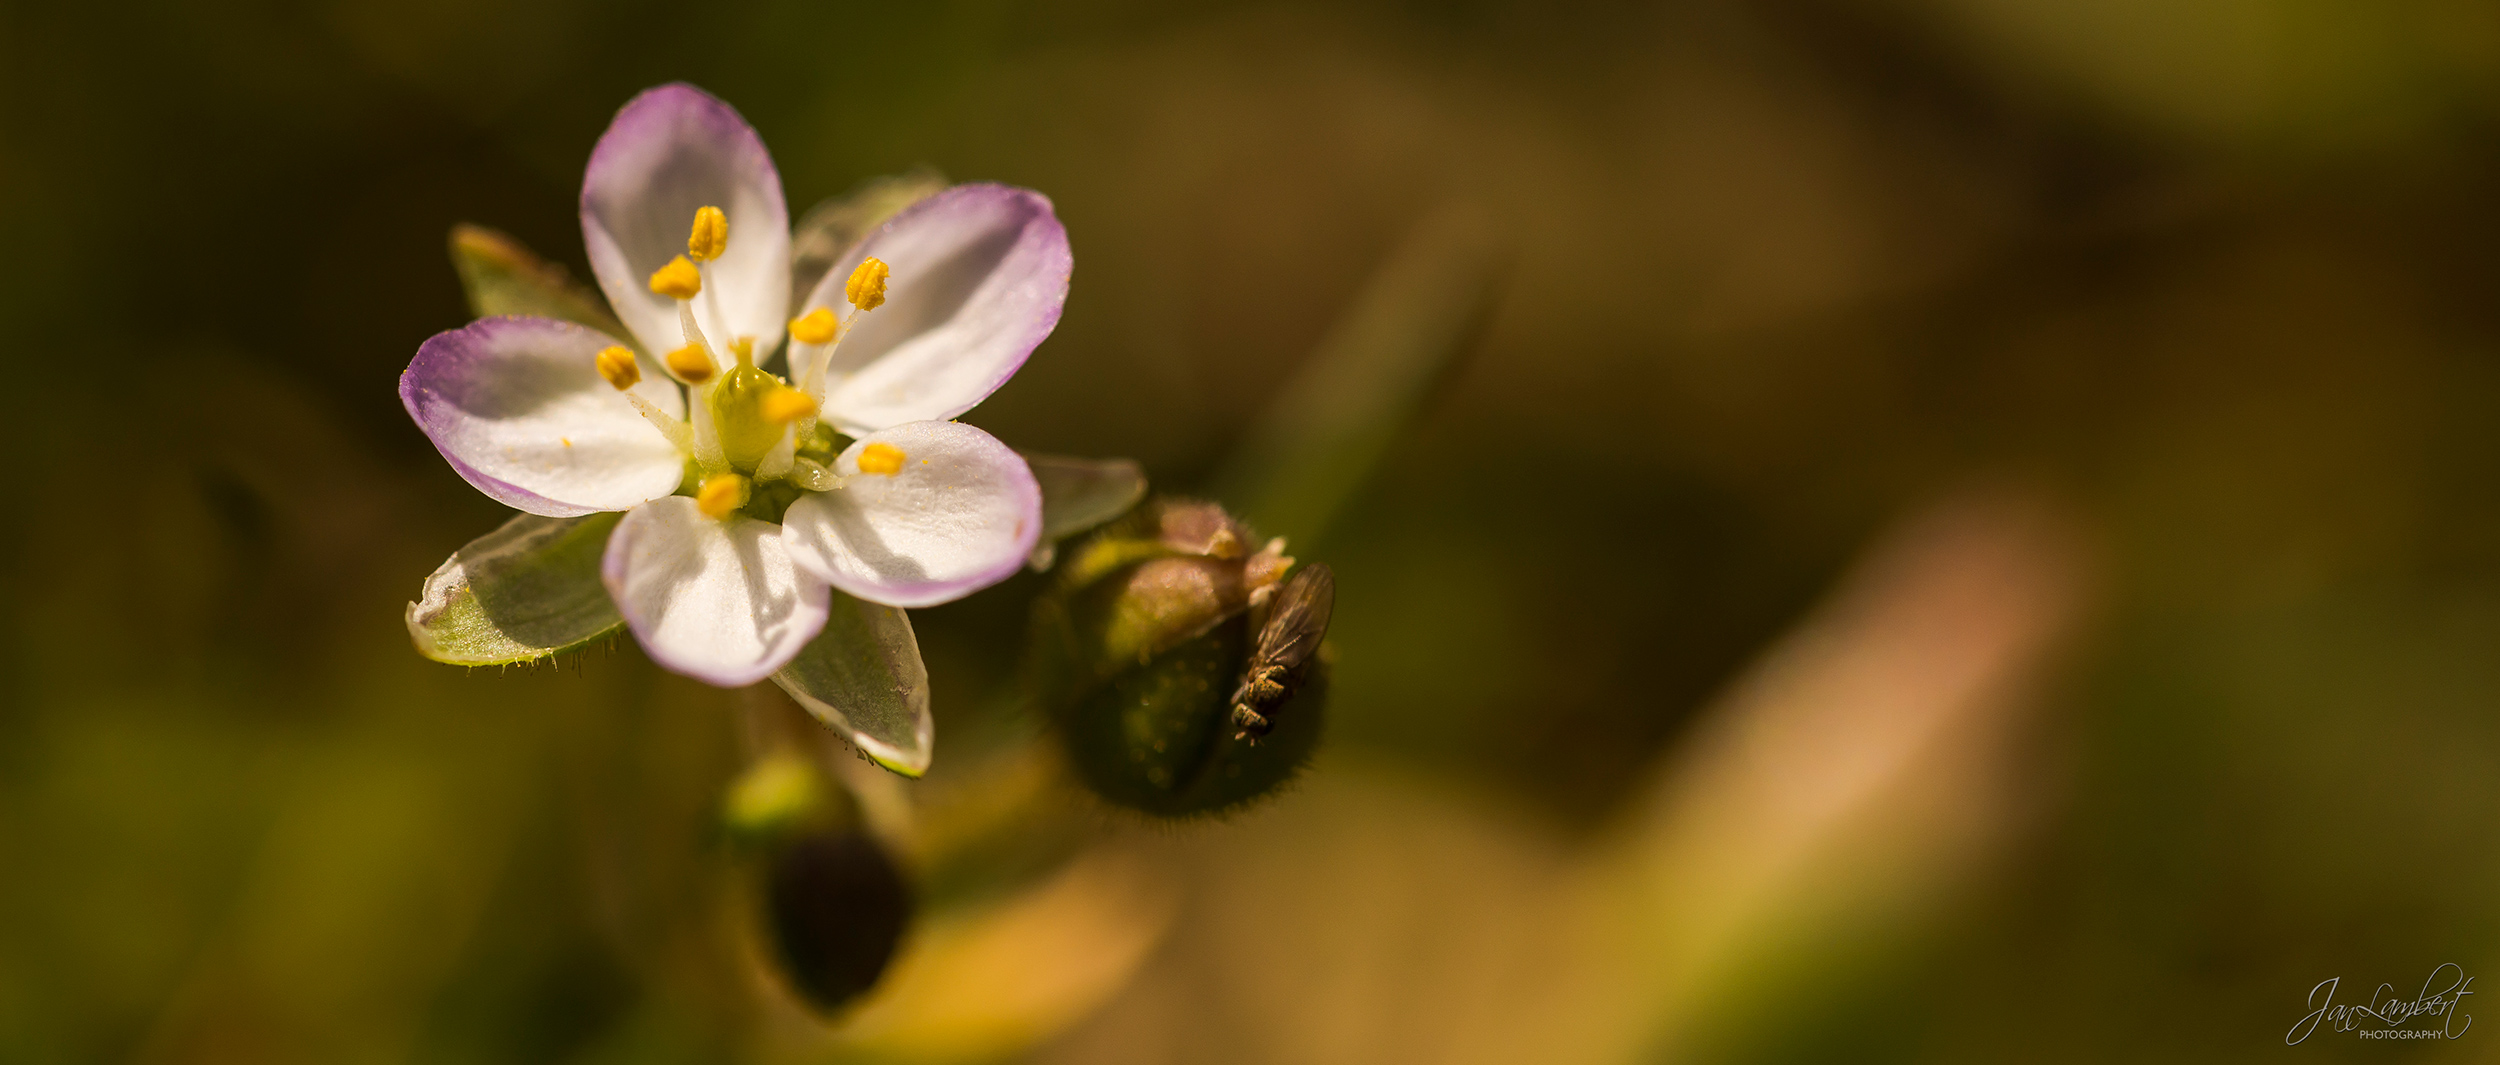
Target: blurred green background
{"points": [[2177, 320]]}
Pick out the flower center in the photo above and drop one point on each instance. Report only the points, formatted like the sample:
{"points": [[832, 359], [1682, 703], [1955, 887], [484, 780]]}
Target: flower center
{"points": [[747, 429], [753, 411]]}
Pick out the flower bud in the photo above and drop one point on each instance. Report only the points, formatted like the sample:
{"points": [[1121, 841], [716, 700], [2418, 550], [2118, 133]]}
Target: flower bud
{"points": [[835, 907], [832, 904], [1142, 645]]}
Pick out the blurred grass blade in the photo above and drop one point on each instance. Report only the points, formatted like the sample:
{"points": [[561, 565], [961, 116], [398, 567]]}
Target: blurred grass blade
{"points": [[503, 277], [525, 591], [829, 228], [1841, 787], [863, 676], [1078, 494], [1335, 420]]}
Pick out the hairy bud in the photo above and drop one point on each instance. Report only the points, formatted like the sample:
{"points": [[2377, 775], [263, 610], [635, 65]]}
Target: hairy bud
{"points": [[1149, 638]]}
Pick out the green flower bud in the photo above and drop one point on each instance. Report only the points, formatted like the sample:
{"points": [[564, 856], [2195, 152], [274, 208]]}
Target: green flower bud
{"points": [[1148, 651], [833, 904], [835, 907]]}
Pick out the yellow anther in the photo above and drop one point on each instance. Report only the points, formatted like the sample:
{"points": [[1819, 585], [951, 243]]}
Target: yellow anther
{"points": [[710, 236], [721, 494], [679, 280], [867, 287], [788, 405], [881, 457], [814, 327], [618, 366], [691, 363]]}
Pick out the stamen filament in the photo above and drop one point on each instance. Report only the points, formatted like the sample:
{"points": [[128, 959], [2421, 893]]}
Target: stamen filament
{"points": [[686, 325], [676, 431], [693, 363], [707, 449], [711, 299]]}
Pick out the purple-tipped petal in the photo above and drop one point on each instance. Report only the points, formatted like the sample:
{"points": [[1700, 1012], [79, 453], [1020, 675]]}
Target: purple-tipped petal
{"points": [[961, 514], [716, 600], [980, 275], [517, 406], [671, 151]]}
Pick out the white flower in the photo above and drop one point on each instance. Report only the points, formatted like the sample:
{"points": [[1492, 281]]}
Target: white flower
{"points": [[741, 515]]}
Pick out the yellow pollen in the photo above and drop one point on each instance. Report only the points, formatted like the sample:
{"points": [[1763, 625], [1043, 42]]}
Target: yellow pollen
{"points": [[710, 236], [881, 458], [678, 280], [814, 327], [691, 364], [867, 286], [721, 494], [617, 365], [787, 405]]}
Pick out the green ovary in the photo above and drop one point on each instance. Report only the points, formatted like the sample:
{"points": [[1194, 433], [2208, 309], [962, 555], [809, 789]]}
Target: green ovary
{"points": [[738, 411]]}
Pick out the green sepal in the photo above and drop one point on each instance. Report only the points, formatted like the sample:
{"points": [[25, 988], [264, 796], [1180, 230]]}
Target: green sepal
{"points": [[1079, 494], [502, 276], [864, 677], [523, 592]]}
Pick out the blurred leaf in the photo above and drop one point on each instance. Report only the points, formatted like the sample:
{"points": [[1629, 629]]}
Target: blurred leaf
{"points": [[1838, 790], [863, 676], [503, 277], [2341, 76], [525, 591], [1078, 494], [830, 227], [1322, 436]]}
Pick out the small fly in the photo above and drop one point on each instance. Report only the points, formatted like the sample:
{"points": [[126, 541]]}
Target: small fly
{"points": [[1297, 618]]}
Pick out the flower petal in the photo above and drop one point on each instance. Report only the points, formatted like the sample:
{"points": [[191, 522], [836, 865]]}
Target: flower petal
{"points": [[980, 275], [863, 676], [960, 515], [718, 601], [521, 593], [517, 406], [671, 151]]}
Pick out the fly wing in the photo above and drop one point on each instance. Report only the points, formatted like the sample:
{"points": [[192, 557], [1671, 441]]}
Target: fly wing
{"points": [[1297, 619]]}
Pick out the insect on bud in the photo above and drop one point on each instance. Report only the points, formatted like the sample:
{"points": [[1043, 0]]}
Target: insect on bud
{"points": [[1184, 678]]}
